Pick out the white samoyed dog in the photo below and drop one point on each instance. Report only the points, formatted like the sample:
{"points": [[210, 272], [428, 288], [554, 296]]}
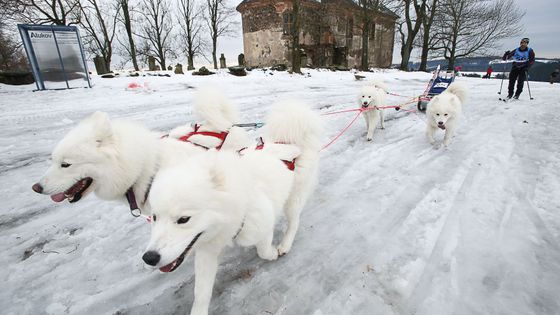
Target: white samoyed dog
{"points": [[119, 159], [372, 96], [109, 158], [234, 197], [444, 110], [216, 127]]}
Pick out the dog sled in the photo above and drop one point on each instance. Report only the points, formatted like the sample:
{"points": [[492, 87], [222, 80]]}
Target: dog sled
{"points": [[438, 83]]}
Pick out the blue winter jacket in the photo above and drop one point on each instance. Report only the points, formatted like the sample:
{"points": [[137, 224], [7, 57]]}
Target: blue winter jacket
{"points": [[523, 59]]}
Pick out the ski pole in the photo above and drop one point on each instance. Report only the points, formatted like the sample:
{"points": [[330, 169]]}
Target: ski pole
{"points": [[528, 86], [503, 76]]}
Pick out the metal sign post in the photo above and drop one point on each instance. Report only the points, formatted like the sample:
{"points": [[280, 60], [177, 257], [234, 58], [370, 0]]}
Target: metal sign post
{"points": [[56, 56]]}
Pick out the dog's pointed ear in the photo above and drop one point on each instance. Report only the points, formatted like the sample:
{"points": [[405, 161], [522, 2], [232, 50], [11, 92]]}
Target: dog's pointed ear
{"points": [[102, 128]]}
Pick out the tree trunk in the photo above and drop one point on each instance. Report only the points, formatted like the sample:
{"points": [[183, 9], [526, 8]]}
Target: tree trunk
{"points": [[425, 50], [190, 63], [412, 30], [365, 45], [406, 50], [214, 59], [296, 58], [427, 23], [128, 27]]}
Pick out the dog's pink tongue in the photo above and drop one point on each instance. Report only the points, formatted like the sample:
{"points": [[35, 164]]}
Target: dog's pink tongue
{"points": [[58, 197], [166, 268]]}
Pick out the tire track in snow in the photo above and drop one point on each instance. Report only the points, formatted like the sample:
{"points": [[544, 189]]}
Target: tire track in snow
{"points": [[405, 256]]}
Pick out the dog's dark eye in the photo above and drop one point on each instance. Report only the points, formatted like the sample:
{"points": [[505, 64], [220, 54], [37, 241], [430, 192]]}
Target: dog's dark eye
{"points": [[445, 115], [154, 218], [363, 96], [65, 165], [183, 220], [437, 114]]}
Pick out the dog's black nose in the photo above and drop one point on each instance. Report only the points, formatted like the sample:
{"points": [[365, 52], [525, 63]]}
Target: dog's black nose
{"points": [[151, 257], [37, 188], [440, 123]]}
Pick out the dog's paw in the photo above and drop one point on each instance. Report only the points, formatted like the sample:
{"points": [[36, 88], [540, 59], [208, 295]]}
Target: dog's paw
{"points": [[283, 250], [369, 139], [271, 254]]}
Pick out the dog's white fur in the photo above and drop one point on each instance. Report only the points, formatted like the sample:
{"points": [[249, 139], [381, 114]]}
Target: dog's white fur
{"points": [[372, 96], [225, 196], [118, 155], [444, 110], [216, 114]]}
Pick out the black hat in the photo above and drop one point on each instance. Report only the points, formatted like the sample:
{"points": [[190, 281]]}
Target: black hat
{"points": [[525, 39]]}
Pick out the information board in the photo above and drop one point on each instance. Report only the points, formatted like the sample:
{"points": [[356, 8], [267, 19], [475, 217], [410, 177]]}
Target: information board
{"points": [[56, 56]]}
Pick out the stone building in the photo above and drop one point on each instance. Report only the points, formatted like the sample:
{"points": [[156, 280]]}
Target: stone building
{"points": [[330, 33]]}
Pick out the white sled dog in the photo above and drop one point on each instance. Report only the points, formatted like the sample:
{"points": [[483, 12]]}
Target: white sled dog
{"points": [[215, 130], [118, 159], [234, 198], [370, 97], [444, 111]]}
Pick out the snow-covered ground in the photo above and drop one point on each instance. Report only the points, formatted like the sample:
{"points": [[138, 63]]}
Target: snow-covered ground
{"points": [[395, 226]]}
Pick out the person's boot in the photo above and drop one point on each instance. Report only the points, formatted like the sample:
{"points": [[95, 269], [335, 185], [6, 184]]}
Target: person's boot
{"points": [[509, 96], [516, 96]]}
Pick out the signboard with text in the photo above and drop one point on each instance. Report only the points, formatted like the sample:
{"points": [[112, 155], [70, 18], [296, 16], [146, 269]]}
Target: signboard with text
{"points": [[56, 56]]}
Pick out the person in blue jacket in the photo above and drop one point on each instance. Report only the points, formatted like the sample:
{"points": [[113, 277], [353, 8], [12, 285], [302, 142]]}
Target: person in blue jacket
{"points": [[523, 58]]}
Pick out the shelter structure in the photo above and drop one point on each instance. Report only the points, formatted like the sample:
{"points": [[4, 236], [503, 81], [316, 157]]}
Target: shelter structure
{"points": [[330, 33]]}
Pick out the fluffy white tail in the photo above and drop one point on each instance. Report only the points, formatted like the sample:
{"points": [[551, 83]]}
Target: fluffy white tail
{"points": [[294, 123], [458, 89], [211, 105], [380, 84]]}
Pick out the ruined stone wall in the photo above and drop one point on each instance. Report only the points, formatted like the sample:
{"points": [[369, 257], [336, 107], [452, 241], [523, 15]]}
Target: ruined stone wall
{"points": [[263, 41], [329, 34], [381, 47]]}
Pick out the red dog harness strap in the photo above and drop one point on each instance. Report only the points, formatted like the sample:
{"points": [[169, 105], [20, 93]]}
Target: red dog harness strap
{"points": [[220, 135], [290, 164]]}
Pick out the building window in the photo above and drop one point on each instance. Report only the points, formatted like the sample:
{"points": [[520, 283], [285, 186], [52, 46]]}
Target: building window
{"points": [[372, 31], [288, 18]]}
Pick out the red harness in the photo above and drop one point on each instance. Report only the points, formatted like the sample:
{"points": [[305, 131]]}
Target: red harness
{"points": [[220, 135], [290, 164]]}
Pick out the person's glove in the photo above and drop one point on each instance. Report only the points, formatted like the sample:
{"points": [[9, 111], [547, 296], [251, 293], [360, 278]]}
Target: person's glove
{"points": [[505, 56]]}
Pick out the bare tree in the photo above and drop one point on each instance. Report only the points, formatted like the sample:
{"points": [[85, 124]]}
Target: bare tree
{"points": [[219, 22], [156, 30], [12, 57], [99, 23], [126, 20], [296, 29], [189, 18], [428, 38], [413, 22], [58, 12], [7, 9], [367, 9], [469, 27]]}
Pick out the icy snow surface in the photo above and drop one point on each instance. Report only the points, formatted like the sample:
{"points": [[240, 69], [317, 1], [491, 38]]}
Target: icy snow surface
{"points": [[395, 226]]}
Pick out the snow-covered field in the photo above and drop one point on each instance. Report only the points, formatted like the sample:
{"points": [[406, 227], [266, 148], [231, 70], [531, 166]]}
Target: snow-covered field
{"points": [[395, 226]]}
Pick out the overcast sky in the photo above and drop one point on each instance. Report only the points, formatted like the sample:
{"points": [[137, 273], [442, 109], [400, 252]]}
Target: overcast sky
{"points": [[541, 24]]}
